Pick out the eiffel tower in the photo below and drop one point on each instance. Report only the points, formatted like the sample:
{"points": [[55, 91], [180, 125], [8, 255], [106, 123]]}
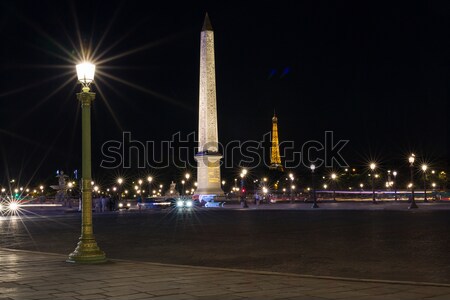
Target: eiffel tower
{"points": [[275, 158]]}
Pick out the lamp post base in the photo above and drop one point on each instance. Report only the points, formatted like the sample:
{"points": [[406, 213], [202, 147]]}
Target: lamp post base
{"points": [[315, 205], [413, 205], [87, 252]]}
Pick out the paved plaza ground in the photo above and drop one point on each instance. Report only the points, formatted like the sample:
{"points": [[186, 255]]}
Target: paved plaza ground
{"points": [[33, 275], [264, 252]]}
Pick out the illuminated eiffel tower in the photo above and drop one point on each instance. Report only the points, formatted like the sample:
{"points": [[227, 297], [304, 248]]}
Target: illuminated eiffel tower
{"points": [[275, 158]]}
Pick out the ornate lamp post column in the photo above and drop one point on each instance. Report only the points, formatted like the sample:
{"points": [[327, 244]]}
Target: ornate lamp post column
{"points": [[411, 165], [87, 250], [313, 168], [372, 168], [424, 169]]}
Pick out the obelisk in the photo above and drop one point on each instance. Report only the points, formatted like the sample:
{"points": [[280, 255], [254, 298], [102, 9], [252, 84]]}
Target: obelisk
{"points": [[208, 156]]}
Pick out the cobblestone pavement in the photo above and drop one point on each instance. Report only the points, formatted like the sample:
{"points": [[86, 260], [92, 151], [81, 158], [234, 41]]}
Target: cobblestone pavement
{"points": [[37, 275]]}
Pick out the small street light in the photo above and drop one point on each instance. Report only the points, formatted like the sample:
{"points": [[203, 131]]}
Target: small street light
{"points": [[395, 185], [334, 177], [182, 190], [291, 176], [149, 180], [411, 166], [313, 168], [119, 182], [187, 176], [372, 168], [243, 200], [424, 169]]}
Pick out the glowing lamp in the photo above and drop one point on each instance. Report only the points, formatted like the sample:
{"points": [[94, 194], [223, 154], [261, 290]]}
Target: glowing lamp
{"points": [[424, 167], [13, 206], [85, 72], [313, 167], [373, 166], [411, 159]]}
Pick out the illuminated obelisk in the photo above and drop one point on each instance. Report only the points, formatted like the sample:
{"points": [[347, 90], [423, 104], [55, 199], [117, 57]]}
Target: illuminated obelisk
{"points": [[208, 156]]}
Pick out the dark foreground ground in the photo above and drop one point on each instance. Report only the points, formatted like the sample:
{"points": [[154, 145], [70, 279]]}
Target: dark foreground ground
{"points": [[376, 244]]}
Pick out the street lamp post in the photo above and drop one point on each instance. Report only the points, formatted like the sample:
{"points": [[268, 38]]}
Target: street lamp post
{"points": [[395, 185], [187, 176], [313, 168], [411, 166], [182, 189], [243, 200], [119, 182], [333, 177], [149, 180], [291, 176], [388, 186], [372, 168], [87, 250], [424, 169]]}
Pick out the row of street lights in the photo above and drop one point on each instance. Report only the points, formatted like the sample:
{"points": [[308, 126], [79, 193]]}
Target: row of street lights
{"points": [[411, 160], [372, 166]]}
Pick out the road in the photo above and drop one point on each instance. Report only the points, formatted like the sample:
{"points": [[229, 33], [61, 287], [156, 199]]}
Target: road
{"points": [[374, 244]]}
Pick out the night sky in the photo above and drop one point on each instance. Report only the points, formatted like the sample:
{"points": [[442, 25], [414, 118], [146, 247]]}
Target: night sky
{"points": [[376, 73]]}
